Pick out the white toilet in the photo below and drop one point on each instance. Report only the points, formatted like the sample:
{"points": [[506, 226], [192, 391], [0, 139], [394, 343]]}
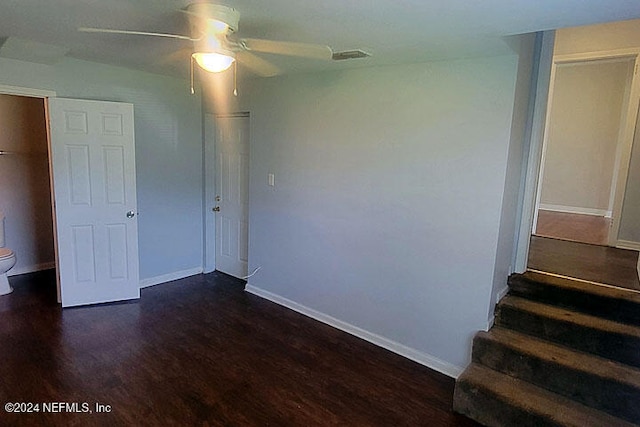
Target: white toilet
{"points": [[7, 261]]}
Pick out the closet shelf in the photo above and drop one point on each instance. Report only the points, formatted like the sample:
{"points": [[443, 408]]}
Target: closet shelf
{"points": [[19, 153]]}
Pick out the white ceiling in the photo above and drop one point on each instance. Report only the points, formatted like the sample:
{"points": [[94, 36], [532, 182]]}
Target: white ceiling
{"points": [[394, 31]]}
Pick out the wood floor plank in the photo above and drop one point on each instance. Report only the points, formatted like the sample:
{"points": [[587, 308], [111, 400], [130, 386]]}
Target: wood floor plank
{"points": [[200, 351]]}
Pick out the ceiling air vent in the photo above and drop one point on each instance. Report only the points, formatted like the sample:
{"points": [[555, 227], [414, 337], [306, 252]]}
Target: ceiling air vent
{"points": [[350, 54]]}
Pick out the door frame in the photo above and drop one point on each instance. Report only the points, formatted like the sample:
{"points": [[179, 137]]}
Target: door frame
{"points": [[210, 151], [43, 94], [626, 128], [27, 91], [209, 188], [538, 128]]}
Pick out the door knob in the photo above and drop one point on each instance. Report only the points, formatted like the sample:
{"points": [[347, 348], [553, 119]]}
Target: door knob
{"points": [[216, 209], [131, 214]]}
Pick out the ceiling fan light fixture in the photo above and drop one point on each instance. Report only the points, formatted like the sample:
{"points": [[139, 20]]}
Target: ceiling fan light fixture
{"points": [[218, 27], [214, 62]]}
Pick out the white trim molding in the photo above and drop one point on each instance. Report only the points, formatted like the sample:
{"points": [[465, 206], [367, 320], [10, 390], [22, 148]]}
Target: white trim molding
{"points": [[575, 210], [502, 293], [26, 91], [499, 295], [157, 280], [628, 244], [31, 268], [490, 323], [533, 153], [598, 55], [408, 352]]}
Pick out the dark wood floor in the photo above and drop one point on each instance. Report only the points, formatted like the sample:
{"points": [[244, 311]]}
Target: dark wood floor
{"points": [[201, 351], [602, 264]]}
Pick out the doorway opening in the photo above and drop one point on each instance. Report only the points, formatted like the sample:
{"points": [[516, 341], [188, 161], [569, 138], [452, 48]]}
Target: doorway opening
{"points": [[227, 193], [25, 186], [584, 171], [70, 159]]}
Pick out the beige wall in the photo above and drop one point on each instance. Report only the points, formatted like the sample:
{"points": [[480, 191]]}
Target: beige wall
{"points": [[601, 37], [586, 112], [24, 182]]}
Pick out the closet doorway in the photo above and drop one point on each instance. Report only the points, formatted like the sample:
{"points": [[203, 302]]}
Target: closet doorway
{"points": [[25, 189]]}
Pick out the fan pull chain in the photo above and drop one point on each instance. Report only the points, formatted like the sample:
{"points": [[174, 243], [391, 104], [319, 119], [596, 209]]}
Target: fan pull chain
{"points": [[235, 78], [191, 63]]}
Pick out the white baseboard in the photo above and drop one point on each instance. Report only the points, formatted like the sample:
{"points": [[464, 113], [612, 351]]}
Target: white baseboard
{"points": [[490, 323], [502, 293], [31, 268], [499, 295], [410, 353], [627, 244], [152, 281], [575, 210]]}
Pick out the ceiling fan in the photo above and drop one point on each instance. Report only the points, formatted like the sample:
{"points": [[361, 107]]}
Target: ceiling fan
{"points": [[216, 47]]}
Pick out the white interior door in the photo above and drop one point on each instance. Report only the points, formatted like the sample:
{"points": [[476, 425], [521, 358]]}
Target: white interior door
{"points": [[232, 194], [94, 188], [209, 259]]}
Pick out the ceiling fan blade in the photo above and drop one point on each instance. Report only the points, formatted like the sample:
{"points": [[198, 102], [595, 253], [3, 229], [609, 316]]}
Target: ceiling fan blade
{"points": [[305, 50], [136, 33], [257, 65]]}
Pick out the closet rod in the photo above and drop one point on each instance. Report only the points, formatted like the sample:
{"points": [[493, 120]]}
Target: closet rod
{"points": [[23, 153]]}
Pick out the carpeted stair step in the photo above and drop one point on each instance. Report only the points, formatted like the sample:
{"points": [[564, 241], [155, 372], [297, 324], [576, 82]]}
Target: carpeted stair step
{"points": [[602, 301], [605, 338], [600, 383], [496, 400]]}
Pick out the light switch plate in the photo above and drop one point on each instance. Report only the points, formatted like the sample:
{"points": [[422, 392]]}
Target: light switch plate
{"points": [[271, 180]]}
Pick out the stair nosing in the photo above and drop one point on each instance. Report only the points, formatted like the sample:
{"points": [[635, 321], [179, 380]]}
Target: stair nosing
{"points": [[630, 375], [601, 290], [577, 317]]}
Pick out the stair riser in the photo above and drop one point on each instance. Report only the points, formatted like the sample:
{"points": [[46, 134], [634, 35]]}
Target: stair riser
{"points": [[488, 409], [622, 348], [605, 394], [618, 310]]}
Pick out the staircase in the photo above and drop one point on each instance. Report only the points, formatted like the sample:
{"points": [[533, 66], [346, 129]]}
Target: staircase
{"points": [[562, 353]]}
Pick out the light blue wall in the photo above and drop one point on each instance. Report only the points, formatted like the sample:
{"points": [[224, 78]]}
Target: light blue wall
{"points": [[389, 187], [388, 197], [168, 151], [526, 47]]}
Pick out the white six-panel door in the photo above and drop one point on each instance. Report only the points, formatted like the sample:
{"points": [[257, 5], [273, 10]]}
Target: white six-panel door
{"points": [[93, 169], [232, 190]]}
